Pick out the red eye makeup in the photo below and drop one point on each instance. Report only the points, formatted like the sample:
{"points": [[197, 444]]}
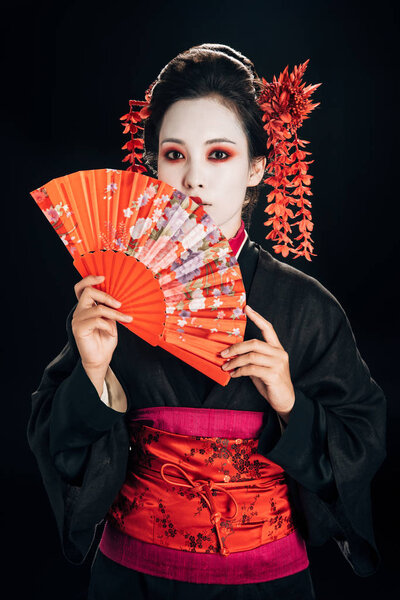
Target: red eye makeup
{"points": [[228, 154]]}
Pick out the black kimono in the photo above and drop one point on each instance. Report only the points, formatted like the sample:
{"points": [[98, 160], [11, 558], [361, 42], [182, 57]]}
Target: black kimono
{"points": [[331, 448]]}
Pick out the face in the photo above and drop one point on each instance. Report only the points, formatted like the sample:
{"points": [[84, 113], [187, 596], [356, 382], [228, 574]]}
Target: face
{"points": [[203, 152]]}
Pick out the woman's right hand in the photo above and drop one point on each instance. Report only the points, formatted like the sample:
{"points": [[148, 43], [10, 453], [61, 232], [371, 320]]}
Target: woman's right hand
{"points": [[94, 324]]}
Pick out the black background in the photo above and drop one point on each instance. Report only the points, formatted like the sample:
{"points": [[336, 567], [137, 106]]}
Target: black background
{"points": [[68, 71]]}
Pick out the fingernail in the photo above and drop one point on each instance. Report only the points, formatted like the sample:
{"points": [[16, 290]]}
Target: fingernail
{"points": [[224, 352]]}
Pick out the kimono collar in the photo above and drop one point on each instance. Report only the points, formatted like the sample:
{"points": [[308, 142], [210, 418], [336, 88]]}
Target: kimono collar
{"points": [[237, 242]]}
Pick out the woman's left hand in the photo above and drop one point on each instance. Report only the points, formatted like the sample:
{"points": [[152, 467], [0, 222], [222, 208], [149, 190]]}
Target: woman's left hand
{"points": [[267, 363]]}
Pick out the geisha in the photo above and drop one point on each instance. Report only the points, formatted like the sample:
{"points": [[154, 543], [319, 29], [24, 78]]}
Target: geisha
{"points": [[200, 488]]}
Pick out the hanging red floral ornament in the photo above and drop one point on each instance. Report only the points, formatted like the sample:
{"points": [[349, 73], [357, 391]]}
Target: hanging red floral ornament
{"points": [[286, 104], [130, 122]]}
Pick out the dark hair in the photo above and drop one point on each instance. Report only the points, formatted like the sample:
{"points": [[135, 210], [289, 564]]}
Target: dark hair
{"points": [[210, 70]]}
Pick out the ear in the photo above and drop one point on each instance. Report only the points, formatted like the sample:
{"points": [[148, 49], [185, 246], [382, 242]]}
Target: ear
{"points": [[256, 171]]}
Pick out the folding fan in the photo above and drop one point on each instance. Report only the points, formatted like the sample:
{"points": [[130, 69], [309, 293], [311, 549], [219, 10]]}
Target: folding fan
{"points": [[162, 256]]}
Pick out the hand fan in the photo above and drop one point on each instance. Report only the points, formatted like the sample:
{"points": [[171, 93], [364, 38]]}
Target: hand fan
{"points": [[162, 256]]}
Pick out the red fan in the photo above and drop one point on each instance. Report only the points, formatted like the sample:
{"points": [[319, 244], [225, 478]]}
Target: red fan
{"points": [[162, 256]]}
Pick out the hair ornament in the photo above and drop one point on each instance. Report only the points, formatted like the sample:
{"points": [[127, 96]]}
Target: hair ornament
{"points": [[130, 122], [286, 104]]}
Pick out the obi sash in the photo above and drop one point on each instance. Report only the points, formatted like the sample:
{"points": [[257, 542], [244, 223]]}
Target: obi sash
{"points": [[201, 494]]}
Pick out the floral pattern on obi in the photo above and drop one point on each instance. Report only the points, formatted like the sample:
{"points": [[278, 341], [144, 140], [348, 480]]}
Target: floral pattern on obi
{"points": [[201, 494]]}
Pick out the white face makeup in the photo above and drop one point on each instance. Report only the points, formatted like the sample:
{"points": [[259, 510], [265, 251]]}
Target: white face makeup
{"points": [[193, 161]]}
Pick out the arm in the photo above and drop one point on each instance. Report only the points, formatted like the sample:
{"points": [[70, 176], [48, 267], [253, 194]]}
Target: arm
{"points": [[335, 438], [77, 417], [300, 448], [113, 393], [81, 507], [104, 395]]}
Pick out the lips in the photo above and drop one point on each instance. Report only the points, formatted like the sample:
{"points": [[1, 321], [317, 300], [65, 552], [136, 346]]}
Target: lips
{"points": [[199, 200]]}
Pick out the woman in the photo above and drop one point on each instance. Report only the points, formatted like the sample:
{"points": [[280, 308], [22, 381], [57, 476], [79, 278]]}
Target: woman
{"points": [[323, 419]]}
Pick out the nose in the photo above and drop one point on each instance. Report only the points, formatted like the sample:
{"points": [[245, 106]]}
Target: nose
{"points": [[193, 180]]}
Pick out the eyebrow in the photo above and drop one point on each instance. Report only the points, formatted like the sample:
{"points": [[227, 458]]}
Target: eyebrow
{"points": [[213, 141]]}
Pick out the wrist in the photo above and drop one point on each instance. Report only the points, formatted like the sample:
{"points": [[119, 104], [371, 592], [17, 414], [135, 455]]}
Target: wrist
{"points": [[284, 416], [97, 376], [117, 397]]}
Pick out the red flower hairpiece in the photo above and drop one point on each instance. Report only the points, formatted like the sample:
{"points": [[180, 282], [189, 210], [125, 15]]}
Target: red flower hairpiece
{"points": [[286, 104], [130, 122]]}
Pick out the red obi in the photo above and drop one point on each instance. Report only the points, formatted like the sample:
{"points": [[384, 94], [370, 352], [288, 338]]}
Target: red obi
{"points": [[200, 494]]}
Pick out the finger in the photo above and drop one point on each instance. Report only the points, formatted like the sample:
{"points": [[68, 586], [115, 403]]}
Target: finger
{"points": [[83, 283], [249, 346], [90, 295], [255, 370], [269, 333], [88, 325], [108, 313], [251, 358]]}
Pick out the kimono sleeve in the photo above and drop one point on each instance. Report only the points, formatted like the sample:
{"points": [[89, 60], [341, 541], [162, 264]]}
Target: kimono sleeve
{"points": [[300, 447], [78, 418], [338, 427], [79, 508]]}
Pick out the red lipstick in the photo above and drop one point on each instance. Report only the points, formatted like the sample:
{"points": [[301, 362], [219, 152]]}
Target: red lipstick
{"points": [[197, 199]]}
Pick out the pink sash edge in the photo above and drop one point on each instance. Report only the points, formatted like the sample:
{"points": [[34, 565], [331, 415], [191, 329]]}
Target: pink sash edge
{"points": [[280, 558], [209, 422]]}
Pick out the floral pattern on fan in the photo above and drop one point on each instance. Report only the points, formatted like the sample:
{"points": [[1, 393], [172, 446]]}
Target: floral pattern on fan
{"points": [[104, 212]]}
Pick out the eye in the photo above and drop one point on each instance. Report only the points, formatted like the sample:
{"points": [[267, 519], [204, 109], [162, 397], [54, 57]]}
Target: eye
{"points": [[168, 157], [221, 152], [174, 151]]}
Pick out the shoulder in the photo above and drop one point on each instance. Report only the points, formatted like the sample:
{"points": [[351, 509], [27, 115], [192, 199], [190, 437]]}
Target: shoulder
{"points": [[292, 287], [307, 317]]}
